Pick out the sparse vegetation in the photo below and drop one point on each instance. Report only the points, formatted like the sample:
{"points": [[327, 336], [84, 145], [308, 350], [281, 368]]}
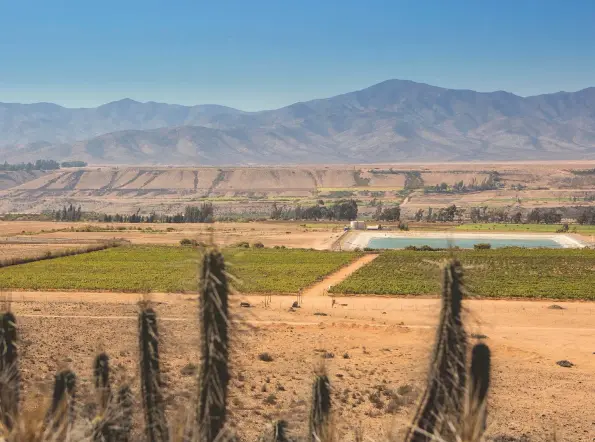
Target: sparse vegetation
{"points": [[413, 180], [482, 246], [192, 243], [492, 182], [265, 357], [359, 179]]}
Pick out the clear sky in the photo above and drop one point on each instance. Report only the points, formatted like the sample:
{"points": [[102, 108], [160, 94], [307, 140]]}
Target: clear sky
{"points": [[260, 54]]}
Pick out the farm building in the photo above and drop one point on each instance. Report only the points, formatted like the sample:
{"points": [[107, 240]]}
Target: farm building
{"points": [[358, 225]]}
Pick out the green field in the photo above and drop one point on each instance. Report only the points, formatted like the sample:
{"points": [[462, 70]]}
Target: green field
{"points": [[173, 269], [522, 273], [545, 228]]}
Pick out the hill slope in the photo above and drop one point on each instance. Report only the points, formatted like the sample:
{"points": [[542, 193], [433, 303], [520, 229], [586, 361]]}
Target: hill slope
{"points": [[391, 121]]}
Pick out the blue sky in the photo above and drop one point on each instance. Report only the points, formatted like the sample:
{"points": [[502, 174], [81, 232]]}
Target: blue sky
{"points": [[259, 54]]}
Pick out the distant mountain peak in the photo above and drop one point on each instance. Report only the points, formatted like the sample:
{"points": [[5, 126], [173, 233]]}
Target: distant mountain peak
{"points": [[395, 120], [121, 103]]}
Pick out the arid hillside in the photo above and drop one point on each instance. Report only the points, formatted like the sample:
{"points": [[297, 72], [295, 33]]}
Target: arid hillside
{"points": [[9, 179], [128, 189]]}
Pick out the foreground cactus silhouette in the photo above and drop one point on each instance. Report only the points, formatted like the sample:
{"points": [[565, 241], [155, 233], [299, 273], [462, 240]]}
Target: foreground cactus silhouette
{"points": [[102, 382], [452, 408], [214, 347], [9, 372], [155, 423], [443, 397], [319, 428]]}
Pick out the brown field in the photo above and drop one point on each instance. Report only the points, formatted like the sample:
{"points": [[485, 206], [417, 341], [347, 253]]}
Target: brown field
{"points": [[32, 247], [9, 251], [289, 234], [387, 340]]}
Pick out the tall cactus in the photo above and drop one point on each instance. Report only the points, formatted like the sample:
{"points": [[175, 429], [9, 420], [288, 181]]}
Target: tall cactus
{"points": [[214, 347], [102, 381], [319, 425], [110, 424], [156, 429], [9, 371], [280, 431], [61, 414], [123, 427], [277, 432], [443, 399], [479, 386]]}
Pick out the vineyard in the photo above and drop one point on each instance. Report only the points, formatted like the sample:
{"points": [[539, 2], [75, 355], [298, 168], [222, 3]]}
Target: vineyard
{"points": [[505, 273], [173, 269]]}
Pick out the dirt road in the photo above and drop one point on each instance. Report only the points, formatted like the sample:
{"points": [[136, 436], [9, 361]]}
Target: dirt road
{"points": [[339, 276]]}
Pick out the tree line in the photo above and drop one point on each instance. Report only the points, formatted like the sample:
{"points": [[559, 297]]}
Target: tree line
{"points": [[453, 213], [345, 210], [68, 213], [192, 214], [491, 182], [40, 165]]}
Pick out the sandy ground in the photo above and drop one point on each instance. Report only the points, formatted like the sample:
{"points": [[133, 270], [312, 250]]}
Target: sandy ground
{"points": [[361, 239], [387, 342], [289, 234]]}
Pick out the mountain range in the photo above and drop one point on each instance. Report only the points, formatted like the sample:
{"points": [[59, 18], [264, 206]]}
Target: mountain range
{"points": [[395, 120]]}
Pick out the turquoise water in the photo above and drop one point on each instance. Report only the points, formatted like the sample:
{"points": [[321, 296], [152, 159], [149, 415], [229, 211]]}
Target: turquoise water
{"points": [[464, 243]]}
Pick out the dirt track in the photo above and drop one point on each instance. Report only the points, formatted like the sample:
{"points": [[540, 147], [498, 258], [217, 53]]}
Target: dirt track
{"points": [[339, 276]]}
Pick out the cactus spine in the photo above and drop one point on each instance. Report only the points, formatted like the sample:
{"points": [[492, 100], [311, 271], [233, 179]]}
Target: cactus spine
{"points": [[156, 429], [319, 428], [277, 432], [280, 431], [214, 347], [9, 371], [121, 432], [479, 386], [61, 414], [443, 398], [102, 381]]}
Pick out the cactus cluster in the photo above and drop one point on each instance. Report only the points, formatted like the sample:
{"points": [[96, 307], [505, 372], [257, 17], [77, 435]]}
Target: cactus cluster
{"points": [[453, 407]]}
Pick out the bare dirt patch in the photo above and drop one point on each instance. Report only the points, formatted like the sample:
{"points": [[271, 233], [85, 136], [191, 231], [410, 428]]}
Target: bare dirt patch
{"points": [[28, 247], [387, 342], [288, 234]]}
